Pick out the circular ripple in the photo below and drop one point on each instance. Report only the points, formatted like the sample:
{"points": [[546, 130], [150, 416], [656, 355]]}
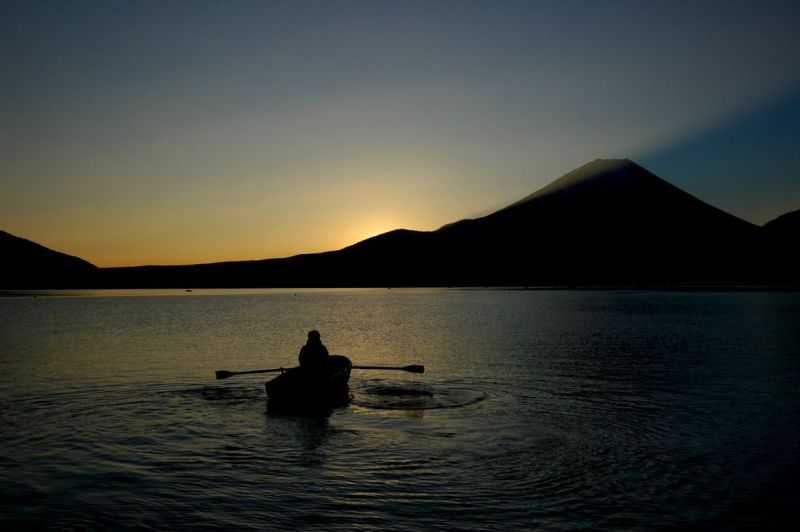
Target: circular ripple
{"points": [[222, 394], [403, 395]]}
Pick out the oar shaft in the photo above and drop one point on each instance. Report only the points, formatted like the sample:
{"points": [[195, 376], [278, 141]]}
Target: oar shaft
{"points": [[379, 367], [271, 370], [412, 369], [224, 374]]}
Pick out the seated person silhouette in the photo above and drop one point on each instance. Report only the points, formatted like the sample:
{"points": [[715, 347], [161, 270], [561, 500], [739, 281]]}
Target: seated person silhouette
{"points": [[314, 354]]}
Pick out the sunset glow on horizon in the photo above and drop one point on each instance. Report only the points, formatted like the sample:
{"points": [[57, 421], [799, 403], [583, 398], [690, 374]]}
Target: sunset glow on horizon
{"points": [[166, 132]]}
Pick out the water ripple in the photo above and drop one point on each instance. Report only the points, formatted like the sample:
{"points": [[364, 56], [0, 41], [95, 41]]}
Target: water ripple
{"points": [[593, 415], [407, 395]]}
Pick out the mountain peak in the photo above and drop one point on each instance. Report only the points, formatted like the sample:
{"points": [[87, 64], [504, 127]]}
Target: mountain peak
{"points": [[622, 197], [598, 173]]}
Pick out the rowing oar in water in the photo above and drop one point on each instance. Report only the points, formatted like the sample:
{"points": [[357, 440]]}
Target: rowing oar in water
{"points": [[224, 374], [414, 368]]}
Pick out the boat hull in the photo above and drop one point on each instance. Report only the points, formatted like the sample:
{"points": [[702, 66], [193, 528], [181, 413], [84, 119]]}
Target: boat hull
{"points": [[323, 387]]}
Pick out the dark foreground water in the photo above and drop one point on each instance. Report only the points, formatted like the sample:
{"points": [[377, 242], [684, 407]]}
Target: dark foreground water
{"points": [[538, 410]]}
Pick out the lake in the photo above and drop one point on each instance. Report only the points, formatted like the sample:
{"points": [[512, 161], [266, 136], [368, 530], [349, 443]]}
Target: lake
{"points": [[549, 410]]}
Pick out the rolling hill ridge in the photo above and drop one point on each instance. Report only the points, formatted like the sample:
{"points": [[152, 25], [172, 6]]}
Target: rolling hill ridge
{"points": [[26, 264], [609, 222]]}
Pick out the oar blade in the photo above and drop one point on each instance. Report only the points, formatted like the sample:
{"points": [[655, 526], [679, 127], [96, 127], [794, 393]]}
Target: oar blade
{"points": [[415, 368], [223, 374]]}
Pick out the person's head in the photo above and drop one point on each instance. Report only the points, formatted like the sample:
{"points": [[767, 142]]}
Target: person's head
{"points": [[313, 336]]}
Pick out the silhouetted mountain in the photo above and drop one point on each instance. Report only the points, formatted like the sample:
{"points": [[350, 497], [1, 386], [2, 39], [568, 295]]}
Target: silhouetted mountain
{"points": [[26, 264], [610, 222], [785, 226], [780, 237]]}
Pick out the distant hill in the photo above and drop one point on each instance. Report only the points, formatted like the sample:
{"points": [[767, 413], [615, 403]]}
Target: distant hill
{"points": [[785, 226], [25, 264], [609, 222], [780, 247]]}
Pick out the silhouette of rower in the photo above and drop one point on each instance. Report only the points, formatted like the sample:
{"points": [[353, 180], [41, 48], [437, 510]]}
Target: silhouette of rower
{"points": [[314, 353]]}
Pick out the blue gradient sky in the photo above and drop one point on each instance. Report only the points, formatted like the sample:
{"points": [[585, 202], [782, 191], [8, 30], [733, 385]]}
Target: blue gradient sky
{"points": [[140, 132]]}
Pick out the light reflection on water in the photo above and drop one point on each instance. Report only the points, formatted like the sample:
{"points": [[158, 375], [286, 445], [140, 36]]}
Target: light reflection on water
{"points": [[551, 410]]}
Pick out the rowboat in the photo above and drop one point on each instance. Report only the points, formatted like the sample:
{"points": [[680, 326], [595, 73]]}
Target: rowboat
{"points": [[323, 386], [319, 388]]}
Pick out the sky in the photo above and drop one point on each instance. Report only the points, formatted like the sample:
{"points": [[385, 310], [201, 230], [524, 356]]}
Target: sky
{"points": [[174, 132]]}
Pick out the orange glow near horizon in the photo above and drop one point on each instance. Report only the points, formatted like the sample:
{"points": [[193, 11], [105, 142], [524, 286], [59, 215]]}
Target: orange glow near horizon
{"points": [[369, 229], [252, 130], [113, 245]]}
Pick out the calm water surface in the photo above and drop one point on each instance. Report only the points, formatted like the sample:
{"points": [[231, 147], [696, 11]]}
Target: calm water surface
{"points": [[542, 410]]}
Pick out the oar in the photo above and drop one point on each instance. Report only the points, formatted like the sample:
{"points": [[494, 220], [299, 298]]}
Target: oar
{"points": [[412, 369], [224, 374]]}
